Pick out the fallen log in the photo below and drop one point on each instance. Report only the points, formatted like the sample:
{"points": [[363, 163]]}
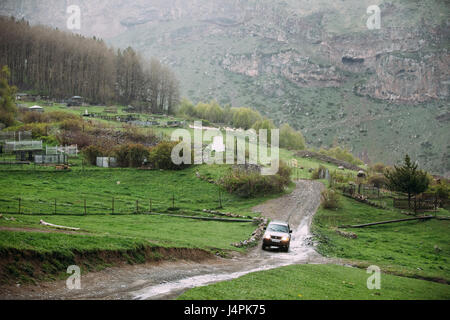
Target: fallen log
{"points": [[384, 222], [58, 227]]}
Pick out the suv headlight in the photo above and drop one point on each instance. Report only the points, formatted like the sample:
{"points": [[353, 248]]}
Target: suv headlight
{"points": [[267, 236], [284, 238]]}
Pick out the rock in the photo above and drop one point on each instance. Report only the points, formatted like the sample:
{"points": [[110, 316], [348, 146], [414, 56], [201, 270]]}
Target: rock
{"points": [[345, 234]]}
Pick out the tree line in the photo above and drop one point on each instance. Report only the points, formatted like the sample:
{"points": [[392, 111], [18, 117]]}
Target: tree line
{"points": [[59, 64], [244, 118]]}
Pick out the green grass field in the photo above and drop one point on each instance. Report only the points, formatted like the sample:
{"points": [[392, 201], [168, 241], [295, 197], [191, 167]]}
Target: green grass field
{"points": [[39, 188], [413, 248], [317, 282], [403, 251], [122, 232]]}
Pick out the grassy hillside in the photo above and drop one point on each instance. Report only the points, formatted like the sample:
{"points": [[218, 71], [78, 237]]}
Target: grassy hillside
{"points": [[417, 249]]}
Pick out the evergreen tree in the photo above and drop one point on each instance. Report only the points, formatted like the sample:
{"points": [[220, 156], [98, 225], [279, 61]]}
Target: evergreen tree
{"points": [[408, 179]]}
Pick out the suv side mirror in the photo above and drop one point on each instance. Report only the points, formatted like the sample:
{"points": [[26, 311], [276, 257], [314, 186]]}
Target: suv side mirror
{"points": [[290, 231], [265, 228]]}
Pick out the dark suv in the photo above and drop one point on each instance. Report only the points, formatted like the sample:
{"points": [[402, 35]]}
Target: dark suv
{"points": [[278, 234]]}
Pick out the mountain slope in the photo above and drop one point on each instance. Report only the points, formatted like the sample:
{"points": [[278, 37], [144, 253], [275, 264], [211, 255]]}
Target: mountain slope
{"points": [[312, 63]]}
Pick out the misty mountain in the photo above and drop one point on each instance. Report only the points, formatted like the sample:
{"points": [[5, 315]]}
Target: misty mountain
{"points": [[312, 63]]}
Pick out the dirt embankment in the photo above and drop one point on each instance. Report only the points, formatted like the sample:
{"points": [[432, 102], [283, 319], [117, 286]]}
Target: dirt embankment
{"points": [[31, 267]]}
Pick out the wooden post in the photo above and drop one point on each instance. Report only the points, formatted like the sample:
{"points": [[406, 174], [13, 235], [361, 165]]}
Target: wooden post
{"points": [[435, 204], [112, 206], [55, 206], [150, 206], [220, 199], [85, 211], [173, 200], [137, 206], [20, 204]]}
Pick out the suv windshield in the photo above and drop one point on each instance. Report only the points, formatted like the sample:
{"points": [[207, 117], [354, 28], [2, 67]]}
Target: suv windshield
{"points": [[278, 228]]}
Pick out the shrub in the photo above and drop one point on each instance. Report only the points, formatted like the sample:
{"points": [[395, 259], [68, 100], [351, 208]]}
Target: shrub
{"points": [[340, 177], [131, 155], [160, 156], [38, 130], [91, 153], [137, 154], [291, 139], [28, 116], [341, 154], [71, 125], [134, 134], [248, 184], [378, 167], [378, 181], [330, 199], [79, 138], [32, 117], [121, 153], [317, 173]]}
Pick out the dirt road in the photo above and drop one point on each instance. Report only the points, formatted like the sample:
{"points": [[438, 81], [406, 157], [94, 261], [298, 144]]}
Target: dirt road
{"points": [[169, 279]]}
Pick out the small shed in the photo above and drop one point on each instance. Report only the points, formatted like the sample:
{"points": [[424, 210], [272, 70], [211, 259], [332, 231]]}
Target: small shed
{"points": [[75, 101], [36, 109], [106, 162]]}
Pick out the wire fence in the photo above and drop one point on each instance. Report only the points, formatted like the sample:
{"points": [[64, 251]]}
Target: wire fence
{"points": [[98, 206], [86, 206]]}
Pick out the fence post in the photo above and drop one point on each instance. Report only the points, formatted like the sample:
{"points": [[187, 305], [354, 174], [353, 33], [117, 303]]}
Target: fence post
{"points": [[173, 200], [20, 200], [137, 206], [85, 211], [55, 206], [112, 206], [220, 199], [150, 206]]}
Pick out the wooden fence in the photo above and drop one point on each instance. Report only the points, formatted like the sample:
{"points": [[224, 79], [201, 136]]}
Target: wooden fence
{"points": [[423, 202]]}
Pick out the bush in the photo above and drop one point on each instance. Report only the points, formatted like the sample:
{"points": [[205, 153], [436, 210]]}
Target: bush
{"points": [[317, 173], [79, 138], [340, 177], [291, 139], [330, 199], [137, 135], [131, 155], [378, 167], [161, 156], [341, 154], [28, 116], [248, 184], [91, 153], [378, 181], [137, 154], [71, 125]]}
